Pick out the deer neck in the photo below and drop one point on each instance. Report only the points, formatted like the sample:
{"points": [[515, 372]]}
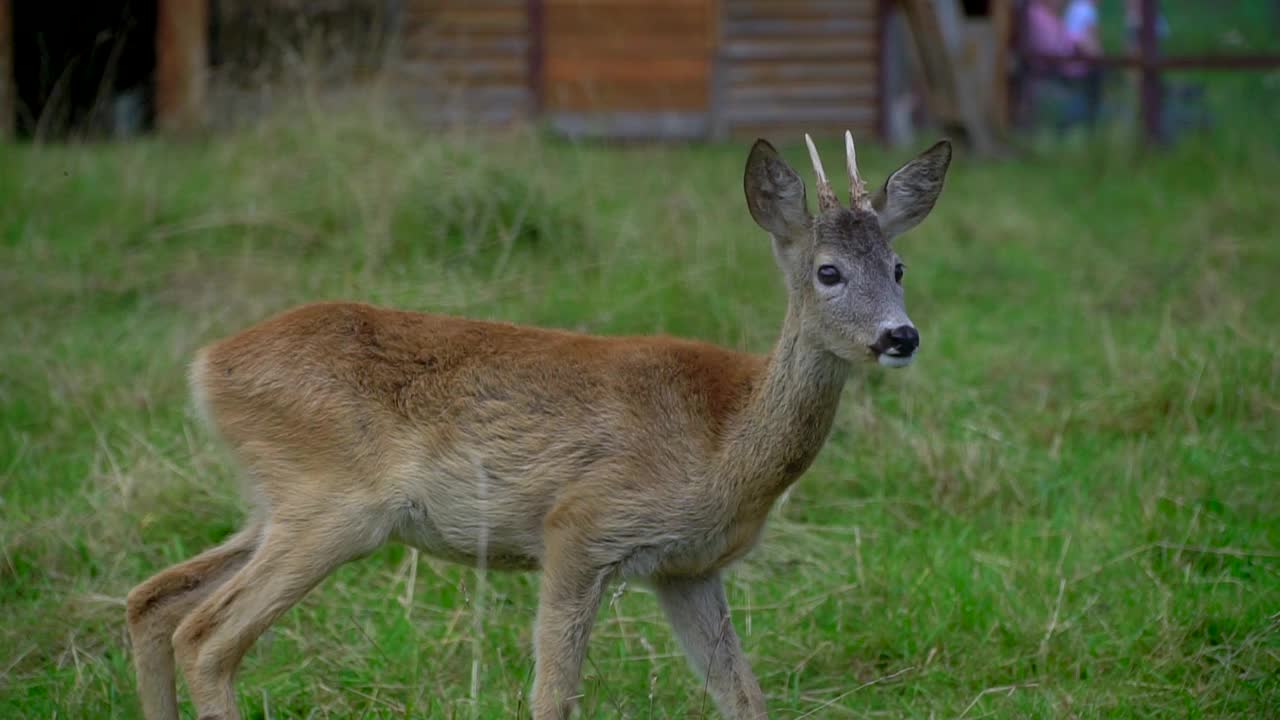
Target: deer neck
{"points": [[785, 422]]}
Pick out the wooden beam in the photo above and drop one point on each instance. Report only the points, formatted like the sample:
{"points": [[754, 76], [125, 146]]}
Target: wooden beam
{"points": [[935, 64], [952, 89], [1228, 61], [182, 51]]}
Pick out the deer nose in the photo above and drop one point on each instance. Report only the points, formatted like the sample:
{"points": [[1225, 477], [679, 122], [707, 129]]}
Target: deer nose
{"points": [[902, 340]]}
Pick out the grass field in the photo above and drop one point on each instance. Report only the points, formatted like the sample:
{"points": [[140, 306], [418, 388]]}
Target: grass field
{"points": [[1069, 507]]}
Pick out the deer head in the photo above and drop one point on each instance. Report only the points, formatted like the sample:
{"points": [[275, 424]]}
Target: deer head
{"points": [[842, 274]]}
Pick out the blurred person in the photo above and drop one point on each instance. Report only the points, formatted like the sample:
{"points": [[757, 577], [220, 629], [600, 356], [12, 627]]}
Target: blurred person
{"points": [[1046, 34], [1080, 25], [1054, 88]]}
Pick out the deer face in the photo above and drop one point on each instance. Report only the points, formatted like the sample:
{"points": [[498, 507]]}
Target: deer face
{"points": [[844, 278]]}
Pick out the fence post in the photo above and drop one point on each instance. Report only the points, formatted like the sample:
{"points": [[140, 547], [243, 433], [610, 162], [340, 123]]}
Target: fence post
{"points": [[182, 57], [1152, 91]]}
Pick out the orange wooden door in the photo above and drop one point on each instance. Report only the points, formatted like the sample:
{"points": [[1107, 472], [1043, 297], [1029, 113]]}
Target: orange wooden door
{"points": [[629, 67]]}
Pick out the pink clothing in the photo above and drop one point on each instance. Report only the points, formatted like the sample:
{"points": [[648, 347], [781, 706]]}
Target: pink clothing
{"points": [[1080, 23], [1046, 34]]}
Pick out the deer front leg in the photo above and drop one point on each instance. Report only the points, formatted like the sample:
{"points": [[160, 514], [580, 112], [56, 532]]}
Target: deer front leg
{"points": [[567, 605], [699, 615]]}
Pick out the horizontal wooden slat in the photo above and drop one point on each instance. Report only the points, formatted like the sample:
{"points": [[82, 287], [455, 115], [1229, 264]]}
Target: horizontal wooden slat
{"points": [[626, 95], [811, 49], [632, 125], [655, 70], [629, 45], [436, 5], [800, 28], [746, 71], [735, 9], [431, 8], [510, 70], [465, 62], [476, 96], [791, 132], [801, 115], [768, 94], [608, 6], [425, 46], [610, 63], [627, 59], [629, 21], [797, 65]]}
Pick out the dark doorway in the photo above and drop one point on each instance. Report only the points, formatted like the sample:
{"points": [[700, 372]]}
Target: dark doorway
{"points": [[83, 68]]}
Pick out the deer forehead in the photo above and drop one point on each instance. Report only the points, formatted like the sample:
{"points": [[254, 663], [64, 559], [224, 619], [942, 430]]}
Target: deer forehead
{"points": [[850, 233]]}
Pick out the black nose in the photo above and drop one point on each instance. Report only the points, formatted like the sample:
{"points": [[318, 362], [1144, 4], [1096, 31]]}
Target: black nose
{"points": [[902, 340]]}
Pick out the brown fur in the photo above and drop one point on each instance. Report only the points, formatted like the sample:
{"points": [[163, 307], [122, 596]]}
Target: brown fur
{"points": [[590, 458]]}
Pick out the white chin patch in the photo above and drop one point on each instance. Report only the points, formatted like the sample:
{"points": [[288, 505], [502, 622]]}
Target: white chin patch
{"points": [[895, 361]]}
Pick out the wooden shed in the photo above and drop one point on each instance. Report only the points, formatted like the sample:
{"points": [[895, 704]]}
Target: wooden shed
{"points": [[612, 68], [646, 68]]}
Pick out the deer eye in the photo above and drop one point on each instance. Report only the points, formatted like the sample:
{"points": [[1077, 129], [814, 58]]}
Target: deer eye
{"points": [[897, 272], [829, 275]]}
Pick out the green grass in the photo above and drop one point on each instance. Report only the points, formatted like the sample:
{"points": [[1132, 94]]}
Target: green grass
{"points": [[1070, 507]]}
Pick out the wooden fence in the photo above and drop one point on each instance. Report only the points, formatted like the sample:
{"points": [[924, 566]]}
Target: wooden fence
{"points": [[1151, 64]]}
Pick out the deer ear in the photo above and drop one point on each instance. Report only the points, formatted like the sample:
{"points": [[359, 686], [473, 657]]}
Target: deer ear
{"points": [[775, 193], [910, 192]]}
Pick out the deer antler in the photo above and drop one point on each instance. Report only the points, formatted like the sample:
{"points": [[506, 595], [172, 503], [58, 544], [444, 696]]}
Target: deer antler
{"points": [[826, 196], [858, 197]]}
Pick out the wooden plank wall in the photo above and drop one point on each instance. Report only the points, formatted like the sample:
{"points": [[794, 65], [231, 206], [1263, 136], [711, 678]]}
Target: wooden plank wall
{"points": [[791, 66], [466, 61], [647, 68], [629, 67]]}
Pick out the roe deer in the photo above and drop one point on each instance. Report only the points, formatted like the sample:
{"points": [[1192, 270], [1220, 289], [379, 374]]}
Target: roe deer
{"points": [[590, 458]]}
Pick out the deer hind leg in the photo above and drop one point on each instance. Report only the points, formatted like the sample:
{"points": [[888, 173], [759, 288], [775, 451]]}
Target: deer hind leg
{"points": [[295, 555], [157, 606]]}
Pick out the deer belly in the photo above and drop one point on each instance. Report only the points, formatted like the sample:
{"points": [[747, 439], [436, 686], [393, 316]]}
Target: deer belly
{"points": [[473, 540]]}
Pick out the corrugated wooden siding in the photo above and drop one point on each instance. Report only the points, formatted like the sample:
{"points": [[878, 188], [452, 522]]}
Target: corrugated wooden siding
{"points": [[789, 66], [466, 61], [629, 67], [656, 68]]}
